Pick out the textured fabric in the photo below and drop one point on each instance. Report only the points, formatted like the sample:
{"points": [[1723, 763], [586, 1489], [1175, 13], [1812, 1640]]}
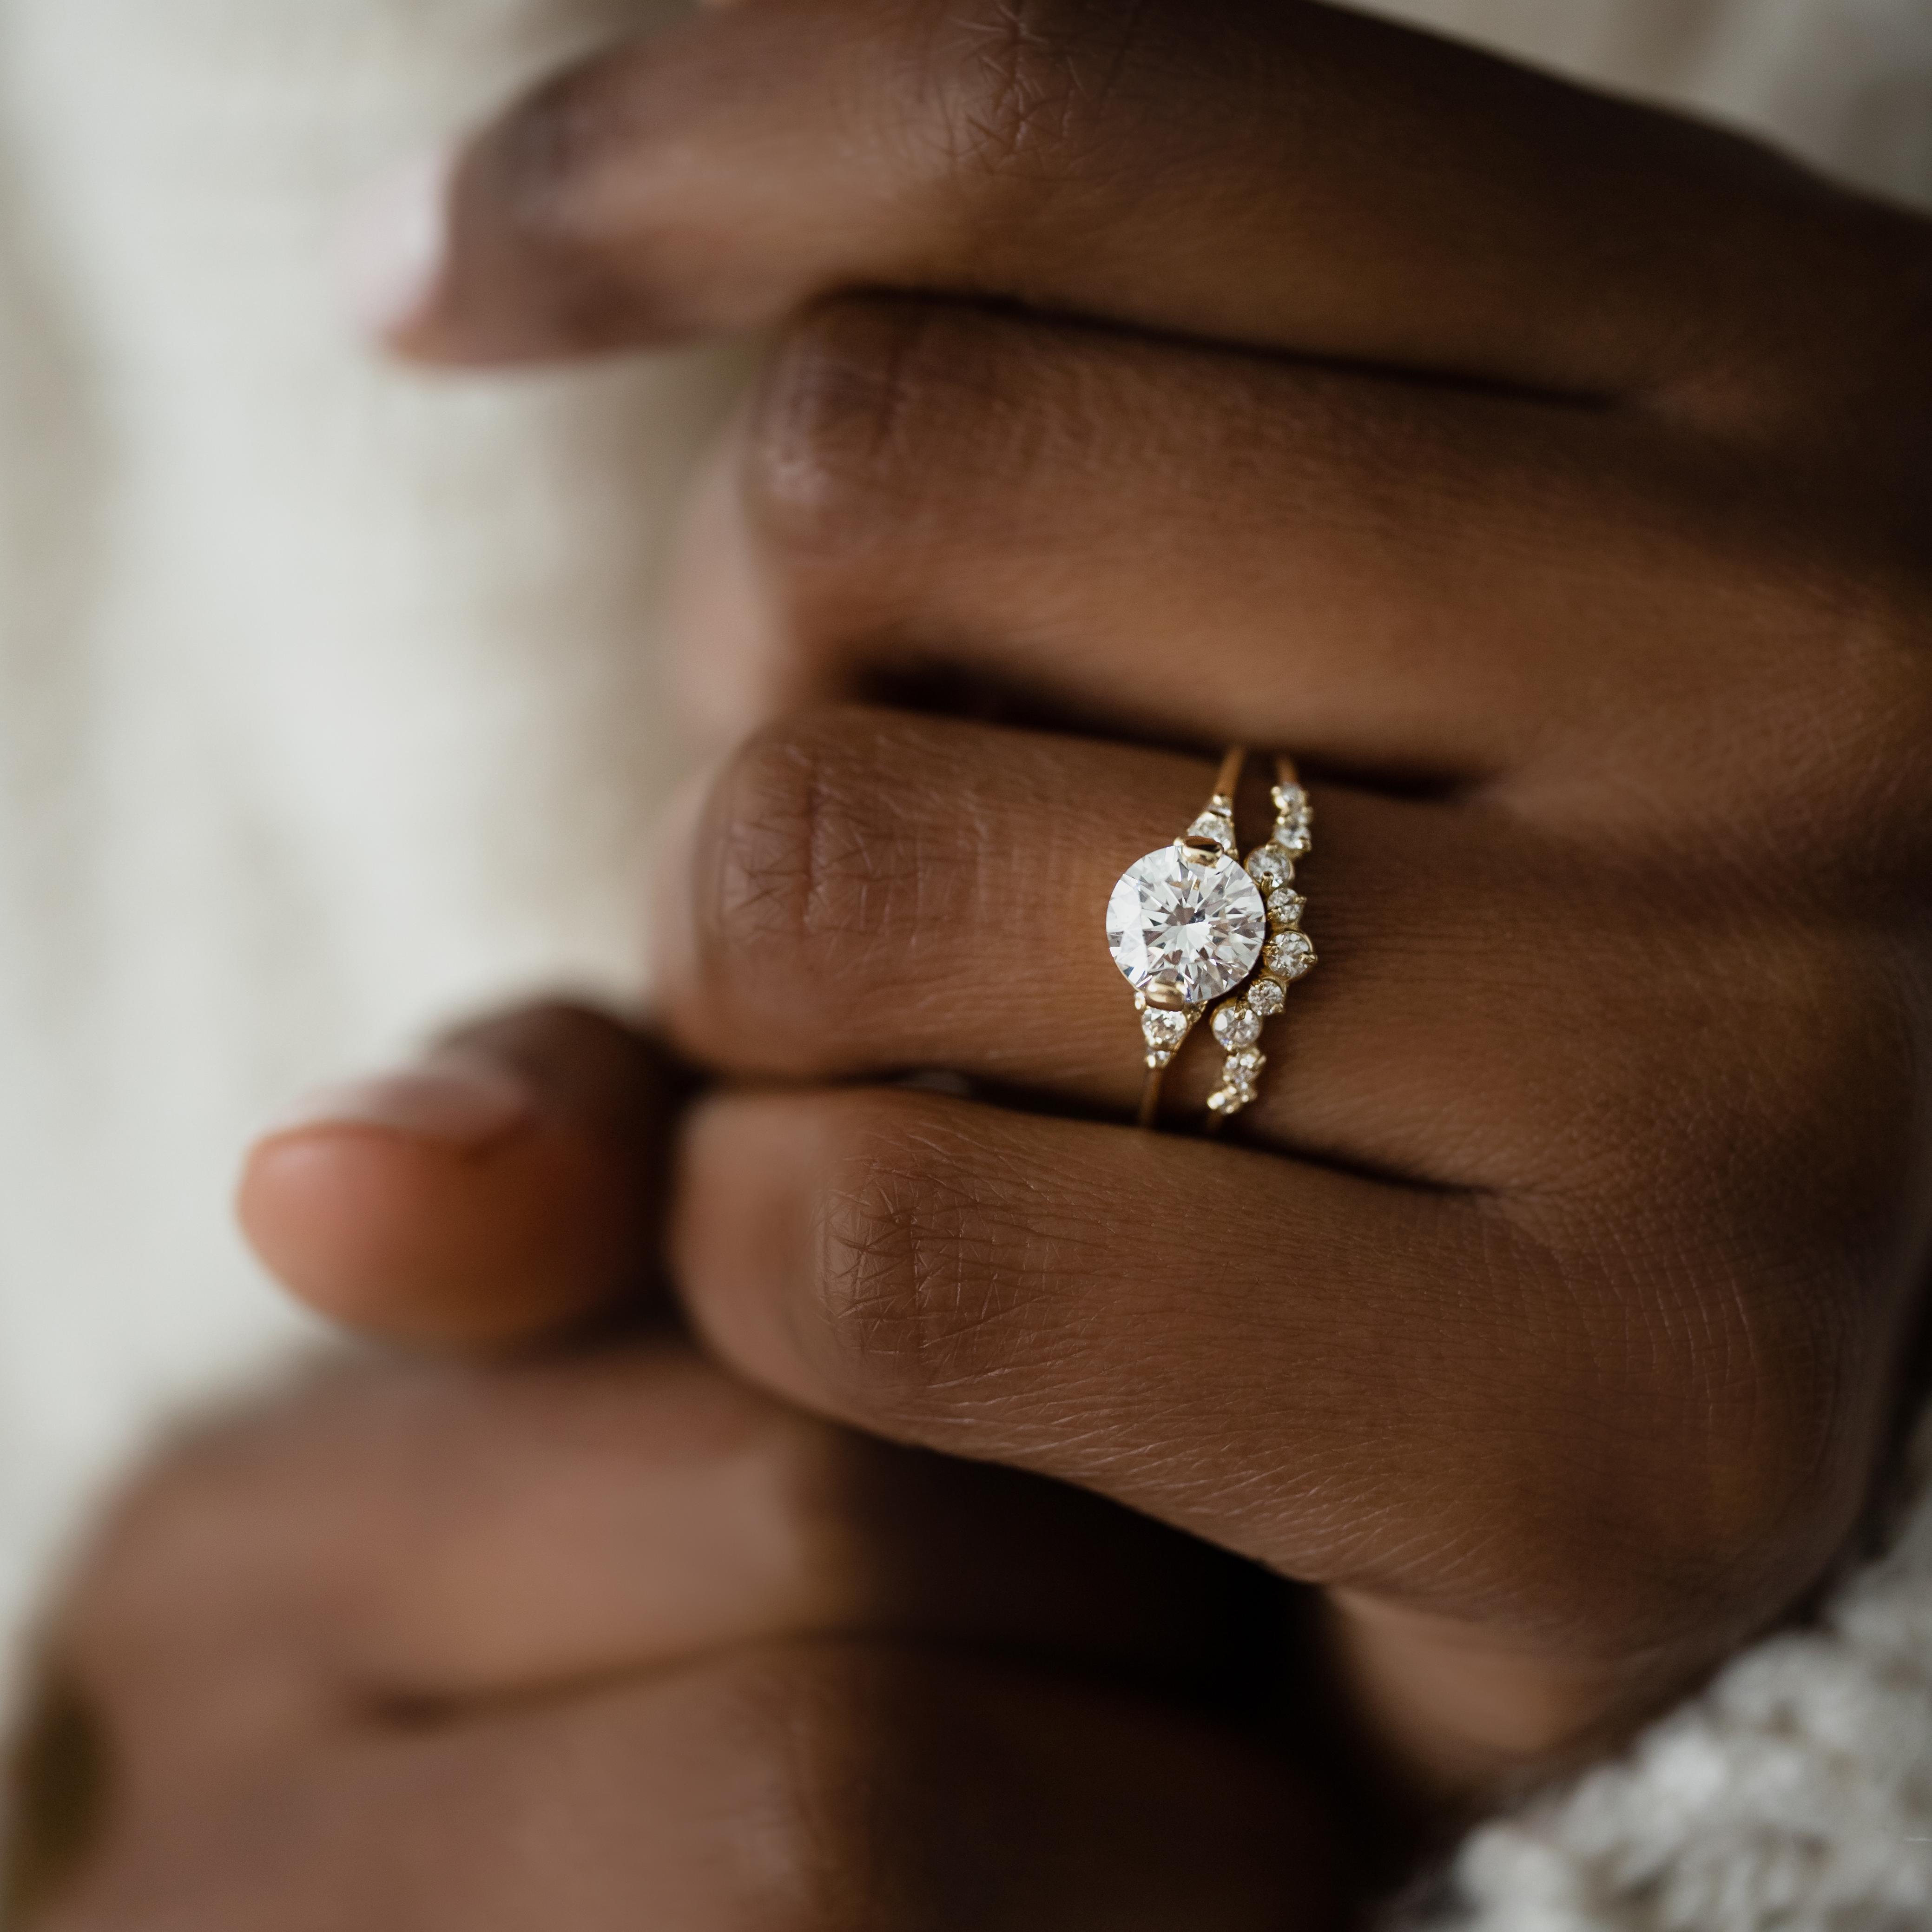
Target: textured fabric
{"points": [[327, 705], [1794, 1796]]}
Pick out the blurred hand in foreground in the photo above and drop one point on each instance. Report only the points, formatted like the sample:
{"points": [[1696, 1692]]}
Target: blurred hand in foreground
{"points": [[551, 1638]]}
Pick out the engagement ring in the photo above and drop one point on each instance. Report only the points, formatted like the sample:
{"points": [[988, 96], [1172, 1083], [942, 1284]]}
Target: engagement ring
{"points": [[1189, 925]]}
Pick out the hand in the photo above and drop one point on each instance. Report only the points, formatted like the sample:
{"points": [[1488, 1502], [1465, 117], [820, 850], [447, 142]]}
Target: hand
{"points": [[424, 1644], [1551, 476]]}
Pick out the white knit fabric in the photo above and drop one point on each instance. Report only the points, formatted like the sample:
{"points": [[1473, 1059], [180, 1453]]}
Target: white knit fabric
{"points": [[327, 704], [1795, 1795]]}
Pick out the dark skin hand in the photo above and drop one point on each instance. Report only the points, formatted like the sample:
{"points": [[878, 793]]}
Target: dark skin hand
{"points": [[1550, 476]]}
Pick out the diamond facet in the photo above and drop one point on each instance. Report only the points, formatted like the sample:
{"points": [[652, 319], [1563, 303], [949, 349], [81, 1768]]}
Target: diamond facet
{"points": [[1290, 954], [1270, 866], [1284, 907], [1267, 996], [1163, 1031], [1237, 1025], [1162, 1028], [1189, 928]]}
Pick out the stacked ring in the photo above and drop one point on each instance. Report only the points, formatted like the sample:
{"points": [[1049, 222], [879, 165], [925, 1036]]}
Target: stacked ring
{"points": [[1192, 928]]}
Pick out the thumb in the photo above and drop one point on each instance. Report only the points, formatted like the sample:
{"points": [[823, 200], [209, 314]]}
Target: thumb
{"points": [[510, 1185]]}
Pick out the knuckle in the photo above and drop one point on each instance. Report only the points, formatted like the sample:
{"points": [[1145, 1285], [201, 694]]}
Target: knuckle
{"points": [[917, 1303], [806, 864], [1024, 86], [848, 416]]}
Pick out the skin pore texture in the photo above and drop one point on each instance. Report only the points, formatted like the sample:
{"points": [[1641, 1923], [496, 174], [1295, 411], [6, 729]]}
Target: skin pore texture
{"points": [[1550, 476]]}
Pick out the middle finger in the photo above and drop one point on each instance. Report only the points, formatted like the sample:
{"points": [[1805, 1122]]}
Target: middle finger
{"points": [[1407, 576]]}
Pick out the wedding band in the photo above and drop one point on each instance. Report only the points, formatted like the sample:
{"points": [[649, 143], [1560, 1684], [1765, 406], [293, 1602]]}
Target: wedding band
{"points": [[1189, 925]]}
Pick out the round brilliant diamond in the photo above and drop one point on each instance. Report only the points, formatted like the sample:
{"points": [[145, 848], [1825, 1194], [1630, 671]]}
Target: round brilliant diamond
{"points": [[1189, 928], [1290, 954], [1269, 866], [1237, 1025], [1267, 996]]}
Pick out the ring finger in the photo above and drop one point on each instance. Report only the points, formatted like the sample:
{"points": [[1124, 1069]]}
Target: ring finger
{"points": [[863, 893]]}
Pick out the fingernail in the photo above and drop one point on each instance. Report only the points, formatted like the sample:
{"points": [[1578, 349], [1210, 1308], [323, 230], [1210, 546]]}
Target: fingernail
{"points": [[394, 244], [462, 1104]]}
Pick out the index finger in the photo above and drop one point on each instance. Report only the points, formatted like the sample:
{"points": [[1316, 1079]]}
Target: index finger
{"points": [[1295, 177]]}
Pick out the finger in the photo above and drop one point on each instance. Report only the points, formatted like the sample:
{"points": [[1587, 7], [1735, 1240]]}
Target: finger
{"points": [[507, 1188], [1299, 177], [1397, 579], [819, 1788], [420, 1539], [853, 895], [869, 893], [1398, 1391]]}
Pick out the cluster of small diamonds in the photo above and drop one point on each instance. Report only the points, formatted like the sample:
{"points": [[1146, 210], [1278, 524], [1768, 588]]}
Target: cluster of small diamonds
{"points": [[1237, 1022]]}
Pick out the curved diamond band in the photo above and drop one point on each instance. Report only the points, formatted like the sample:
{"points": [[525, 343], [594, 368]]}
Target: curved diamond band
{"points": [[1189, 925]]}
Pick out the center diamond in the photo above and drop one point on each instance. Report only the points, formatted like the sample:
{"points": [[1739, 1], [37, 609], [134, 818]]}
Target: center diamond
{"points": [[1191, 930]]}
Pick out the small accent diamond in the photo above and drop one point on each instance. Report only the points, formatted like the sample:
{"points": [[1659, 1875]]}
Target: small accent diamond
{"points": [[1236, 1024], [1295, 818], [1267, 996], [1285, 906], [1216, 826], [1163, 1028], [1269, 866], [1163, 1031], [1290, 954]]}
